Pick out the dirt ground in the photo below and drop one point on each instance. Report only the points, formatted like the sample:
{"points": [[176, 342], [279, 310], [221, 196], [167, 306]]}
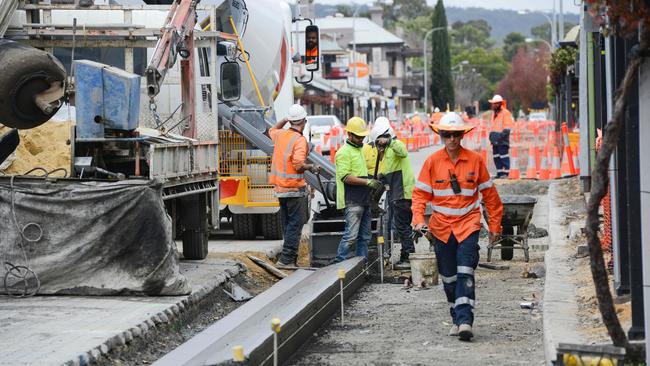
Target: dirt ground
{"points": [[387, 324]]}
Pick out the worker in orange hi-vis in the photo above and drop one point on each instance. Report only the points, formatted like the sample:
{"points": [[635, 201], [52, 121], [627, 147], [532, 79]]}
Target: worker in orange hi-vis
{"points": [[435, 117], [451, 180], [288, 164], [502, 123]]}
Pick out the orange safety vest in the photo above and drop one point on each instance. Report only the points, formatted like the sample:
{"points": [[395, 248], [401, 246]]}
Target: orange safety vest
{"points": [[457, 213], [283, 173], [502, 121], [311, 56]]}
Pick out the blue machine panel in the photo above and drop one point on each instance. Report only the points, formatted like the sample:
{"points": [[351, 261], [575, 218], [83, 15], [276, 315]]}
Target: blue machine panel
{"points": [[106, 97]]}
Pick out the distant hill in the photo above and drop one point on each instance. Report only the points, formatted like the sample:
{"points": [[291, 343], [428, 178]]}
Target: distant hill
{"points": [[501, 21]]}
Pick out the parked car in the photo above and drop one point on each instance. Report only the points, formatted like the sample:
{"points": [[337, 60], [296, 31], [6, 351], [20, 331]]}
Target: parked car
{"points": [[317, 127], [537, 116]]}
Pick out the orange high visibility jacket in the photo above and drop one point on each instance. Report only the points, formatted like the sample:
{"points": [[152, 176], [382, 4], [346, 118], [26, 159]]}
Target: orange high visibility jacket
{"points": [[289, 155], [460, 213], [503, 120]]}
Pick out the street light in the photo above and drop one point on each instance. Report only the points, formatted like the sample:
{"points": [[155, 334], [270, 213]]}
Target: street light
{"points": [[550, 21], [426, 87], [460, 65], [532, 40]]}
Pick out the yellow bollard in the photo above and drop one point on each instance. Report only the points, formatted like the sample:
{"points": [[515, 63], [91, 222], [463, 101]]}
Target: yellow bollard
{"points": [[238, 354], [341, 274], [275, 327]]}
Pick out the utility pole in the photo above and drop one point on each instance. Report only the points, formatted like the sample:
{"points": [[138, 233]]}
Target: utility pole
{"points": [[426, 70], [561, 21], [554, 27]]}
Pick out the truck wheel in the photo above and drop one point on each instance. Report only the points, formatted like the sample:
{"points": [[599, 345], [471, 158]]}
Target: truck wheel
{"points": [[195, 224], [243, 225], [272, 226], [506, 245]]}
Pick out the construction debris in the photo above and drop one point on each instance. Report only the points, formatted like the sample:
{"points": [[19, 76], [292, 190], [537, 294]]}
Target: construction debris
{"points": [[498, 267], [272, 270], [237, 293]]}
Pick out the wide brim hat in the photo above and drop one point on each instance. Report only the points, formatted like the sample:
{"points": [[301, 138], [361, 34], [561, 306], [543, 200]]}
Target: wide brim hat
{"points": [[451, 122]]}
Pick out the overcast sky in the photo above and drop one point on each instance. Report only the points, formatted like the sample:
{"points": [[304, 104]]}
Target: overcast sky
{"points": [[490, 4]]}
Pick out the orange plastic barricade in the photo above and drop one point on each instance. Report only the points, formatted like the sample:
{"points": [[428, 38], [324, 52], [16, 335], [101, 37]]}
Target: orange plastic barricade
{"points": [[576, 160]]}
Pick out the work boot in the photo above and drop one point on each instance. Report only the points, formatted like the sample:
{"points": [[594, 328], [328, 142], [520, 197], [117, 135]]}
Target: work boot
{"points": [[453, 332], [465, 332]]}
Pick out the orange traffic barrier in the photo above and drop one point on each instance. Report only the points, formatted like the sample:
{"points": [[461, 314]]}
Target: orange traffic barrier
{"points": [[531, 169], [514, 164], [556, 169]]}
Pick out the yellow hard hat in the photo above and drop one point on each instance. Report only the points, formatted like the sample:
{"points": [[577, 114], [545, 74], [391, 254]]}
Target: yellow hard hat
{"points": [[357, 126]]}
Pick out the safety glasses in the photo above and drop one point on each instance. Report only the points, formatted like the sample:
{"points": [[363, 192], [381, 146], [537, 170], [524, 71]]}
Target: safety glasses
{"points": [[449, 134]]}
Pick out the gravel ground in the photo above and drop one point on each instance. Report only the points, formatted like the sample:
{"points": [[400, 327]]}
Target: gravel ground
{"points": [[389, 325]]}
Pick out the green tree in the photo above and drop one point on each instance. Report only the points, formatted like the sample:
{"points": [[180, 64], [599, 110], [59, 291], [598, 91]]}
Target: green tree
{"points": [[471, 34], [512, 43], [489, 63], [442, 88]]}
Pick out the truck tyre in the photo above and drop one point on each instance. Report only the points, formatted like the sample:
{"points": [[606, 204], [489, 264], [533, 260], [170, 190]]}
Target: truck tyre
{"points": [[195, 226], [272, 226], [243, 226], [506, 245]]}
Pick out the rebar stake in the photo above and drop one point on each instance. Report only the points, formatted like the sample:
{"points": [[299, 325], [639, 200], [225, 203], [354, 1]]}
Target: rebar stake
{"points": [[341, 273], [275, 326]]}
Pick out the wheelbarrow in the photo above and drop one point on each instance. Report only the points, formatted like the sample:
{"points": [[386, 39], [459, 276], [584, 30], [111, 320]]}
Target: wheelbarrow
{"points": [[517, 213]]}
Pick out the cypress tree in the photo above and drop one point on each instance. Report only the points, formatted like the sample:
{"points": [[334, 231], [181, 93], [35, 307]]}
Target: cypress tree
{"points": [[442, 87]]}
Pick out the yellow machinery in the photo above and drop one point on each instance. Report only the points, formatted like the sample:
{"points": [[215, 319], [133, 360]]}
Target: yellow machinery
{"points": [[246, 195]]}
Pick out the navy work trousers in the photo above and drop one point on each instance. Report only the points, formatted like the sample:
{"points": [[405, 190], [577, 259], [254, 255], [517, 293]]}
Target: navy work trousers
{"points": [[456, 265]]}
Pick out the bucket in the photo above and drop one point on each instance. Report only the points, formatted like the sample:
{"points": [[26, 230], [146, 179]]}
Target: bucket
{"points": [[424, 269]]}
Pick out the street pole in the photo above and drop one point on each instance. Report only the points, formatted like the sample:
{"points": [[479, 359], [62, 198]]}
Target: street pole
{"points": [[354, 56], [561, 21], [426, 70], [554, 26]]}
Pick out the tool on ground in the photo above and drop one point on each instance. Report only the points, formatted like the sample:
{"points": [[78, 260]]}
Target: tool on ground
{"points": [[274, 271], [341, 274], [8, 144]]}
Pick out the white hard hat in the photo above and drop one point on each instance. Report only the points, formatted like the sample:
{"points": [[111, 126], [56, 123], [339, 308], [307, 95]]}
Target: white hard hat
{"points": [[381, 127], [451, 122], [436, 110], [296, 113], [496, 99]]}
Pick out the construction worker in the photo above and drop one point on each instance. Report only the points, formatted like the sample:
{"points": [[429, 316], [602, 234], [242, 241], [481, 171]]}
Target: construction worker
{"points": [[394, 171], [288, 164], [451, 180], [502, 123], [353, 191]]}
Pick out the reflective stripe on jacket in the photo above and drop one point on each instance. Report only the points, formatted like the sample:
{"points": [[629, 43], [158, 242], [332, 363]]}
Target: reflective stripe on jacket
{"points": [[289, 155], [457, 213], [503, 120]]}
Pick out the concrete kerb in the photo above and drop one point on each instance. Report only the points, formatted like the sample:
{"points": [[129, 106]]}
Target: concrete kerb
{"points": [[560, 293], [140, 330]]}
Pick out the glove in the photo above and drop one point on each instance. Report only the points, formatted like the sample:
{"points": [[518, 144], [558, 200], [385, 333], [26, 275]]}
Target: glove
{"points": [[383, 141], [374, 184], [315, 169]]}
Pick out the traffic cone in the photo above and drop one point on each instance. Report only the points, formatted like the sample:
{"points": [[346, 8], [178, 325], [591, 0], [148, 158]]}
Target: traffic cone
{"points": [[544, 173], [531, 170], [514, 164], [576, 161], [484, 144], [567, 163], [556, 171], [332, 155], [319, 149]]}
